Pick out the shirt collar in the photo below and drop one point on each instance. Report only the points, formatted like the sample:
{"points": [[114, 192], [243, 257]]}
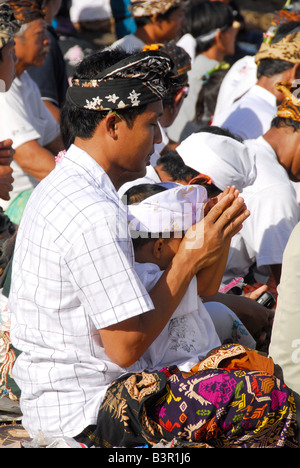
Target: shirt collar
{"points": [[91, 170], [264, 94]]}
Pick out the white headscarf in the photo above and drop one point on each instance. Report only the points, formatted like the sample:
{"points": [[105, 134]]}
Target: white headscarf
{"points": [[225, 160], [173, 210]]}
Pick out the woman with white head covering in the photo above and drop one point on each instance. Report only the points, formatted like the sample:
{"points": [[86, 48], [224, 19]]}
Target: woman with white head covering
{"points": [[224, 159]]}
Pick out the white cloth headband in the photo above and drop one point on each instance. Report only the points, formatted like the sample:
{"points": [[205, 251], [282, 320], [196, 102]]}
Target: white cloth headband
{"points": [[208, 36], [225, 160], [173, 210]]}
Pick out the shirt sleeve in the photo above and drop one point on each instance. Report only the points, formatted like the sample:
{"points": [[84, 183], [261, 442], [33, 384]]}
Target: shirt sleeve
{"points": [[14, 121], [26, 118], [102, 270], [268, 239]]}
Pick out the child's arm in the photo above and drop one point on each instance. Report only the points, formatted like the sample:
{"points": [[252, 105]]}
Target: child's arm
{"points": [[126, 341], [210, 278]]}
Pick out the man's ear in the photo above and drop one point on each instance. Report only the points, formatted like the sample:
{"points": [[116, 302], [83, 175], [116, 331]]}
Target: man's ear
{"points": [[295, 73], [112, 120], [219, 37], [157, 248]]}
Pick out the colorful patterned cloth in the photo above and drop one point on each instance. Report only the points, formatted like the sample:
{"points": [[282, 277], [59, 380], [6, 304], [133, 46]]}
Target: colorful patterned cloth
{"points": [[8, 355], [216, 406], [28, 10]]}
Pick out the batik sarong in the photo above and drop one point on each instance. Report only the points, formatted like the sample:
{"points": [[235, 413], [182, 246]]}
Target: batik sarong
{"points": [[211, 406]]}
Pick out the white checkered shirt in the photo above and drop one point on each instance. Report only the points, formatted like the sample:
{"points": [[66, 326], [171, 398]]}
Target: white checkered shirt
{"points": [[73, 274]]}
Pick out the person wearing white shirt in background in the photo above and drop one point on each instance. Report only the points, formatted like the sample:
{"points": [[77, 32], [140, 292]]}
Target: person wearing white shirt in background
{"points": [[214, 29], [89, 10], [157, 22], [251, 115], [23, 115], [271, 197], [243, 73], [9, 26]]}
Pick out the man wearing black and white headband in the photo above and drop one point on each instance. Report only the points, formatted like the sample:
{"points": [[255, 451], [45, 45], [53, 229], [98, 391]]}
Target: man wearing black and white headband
{"points": [[80, 314]]}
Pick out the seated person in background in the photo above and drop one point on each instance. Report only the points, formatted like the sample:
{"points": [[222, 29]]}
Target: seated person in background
{"points": [[9, 26], [158, 216], [271, 198], [156, 22], [174, 99], [212, 24], [23, 115], [243, 73], [51, 76], [251, 115]]}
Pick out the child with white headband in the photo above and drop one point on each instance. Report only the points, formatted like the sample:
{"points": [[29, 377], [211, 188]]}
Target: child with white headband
{"points": [[157, 224]]}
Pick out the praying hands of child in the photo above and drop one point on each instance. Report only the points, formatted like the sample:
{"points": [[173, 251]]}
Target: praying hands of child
{"points": [[212, 236]]}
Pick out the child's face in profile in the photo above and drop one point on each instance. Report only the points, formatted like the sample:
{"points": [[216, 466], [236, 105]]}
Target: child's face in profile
{"points": [[168, 249]]}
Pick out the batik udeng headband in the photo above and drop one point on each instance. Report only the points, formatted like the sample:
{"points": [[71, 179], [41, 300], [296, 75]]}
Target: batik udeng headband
{"points": [[9, 25], [135, 81], [173, 210], [290, 107], [140, 8], [288, 49], [281, 17]]}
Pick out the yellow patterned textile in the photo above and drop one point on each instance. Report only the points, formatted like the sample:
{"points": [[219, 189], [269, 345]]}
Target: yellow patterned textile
{"points": [[288, 49], [290, 107]]}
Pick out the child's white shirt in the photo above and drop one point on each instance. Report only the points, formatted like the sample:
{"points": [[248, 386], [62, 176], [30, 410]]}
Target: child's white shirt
{"points": [[188, 336]]}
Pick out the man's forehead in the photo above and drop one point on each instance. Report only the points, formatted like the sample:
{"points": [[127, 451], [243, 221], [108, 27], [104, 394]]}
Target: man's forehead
{"points": [[155, 109]]}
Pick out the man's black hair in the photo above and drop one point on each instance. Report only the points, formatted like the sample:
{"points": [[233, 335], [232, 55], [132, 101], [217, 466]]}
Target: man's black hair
{"points": [[204, 17], [279, 122], [138, 193], [215, 130], [173, 164]]}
